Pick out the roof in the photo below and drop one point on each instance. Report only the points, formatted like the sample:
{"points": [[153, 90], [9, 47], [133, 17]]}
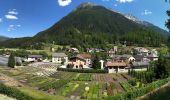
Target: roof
{"points": [[152, 56], [35, 56], [115, 64], [85, 56], [59, 55], [125, 56], [140, 64], [78, 57], [139, 57]]}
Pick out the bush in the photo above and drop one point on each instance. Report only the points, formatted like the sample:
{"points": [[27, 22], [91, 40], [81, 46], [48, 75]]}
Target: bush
{"points": [[11, 61], [82, 70], [132, 82], [15, 93]]}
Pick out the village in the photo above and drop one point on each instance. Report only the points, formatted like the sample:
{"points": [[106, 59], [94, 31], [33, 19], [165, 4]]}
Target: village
{"points": [[70, 73], [116, 63]]}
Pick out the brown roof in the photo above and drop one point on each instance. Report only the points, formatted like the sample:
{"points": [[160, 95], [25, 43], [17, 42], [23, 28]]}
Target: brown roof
{"points": [[115, 64], [85, 56]]}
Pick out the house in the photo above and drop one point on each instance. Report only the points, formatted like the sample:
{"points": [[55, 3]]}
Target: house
{"points": [[81, 61], [153, 55], [77, 62], [111, 53], [138, 66], [116, 66], [125, 57], [74, 50], [142, 51], [140, 58], [33, 58], [59, 58]]}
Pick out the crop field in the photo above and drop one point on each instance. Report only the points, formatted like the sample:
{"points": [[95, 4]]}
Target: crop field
{"points": [[69, 85]]}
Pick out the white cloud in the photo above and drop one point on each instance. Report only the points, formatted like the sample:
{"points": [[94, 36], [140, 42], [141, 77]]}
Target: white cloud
{"points": [[12, 17], [13, 12], [146, 12], [13, 27], [64, 2], [124, 1], [0, 20]]}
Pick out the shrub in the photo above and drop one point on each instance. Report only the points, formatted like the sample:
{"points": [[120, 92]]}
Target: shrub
{"points": [[82, 70], [132, 82], [15, 93]]}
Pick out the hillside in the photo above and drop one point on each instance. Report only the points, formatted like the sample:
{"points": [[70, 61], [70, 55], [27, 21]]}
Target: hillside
{"points": [[3, 38], [91, 25]]}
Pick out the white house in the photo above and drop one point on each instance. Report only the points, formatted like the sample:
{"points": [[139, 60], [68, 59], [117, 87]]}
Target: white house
{"points": [[59, 58]]}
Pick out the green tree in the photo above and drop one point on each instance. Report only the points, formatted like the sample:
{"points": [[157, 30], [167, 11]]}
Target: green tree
{"points": [[168, 26], [96, 63], [11, 61], [161, 69]]}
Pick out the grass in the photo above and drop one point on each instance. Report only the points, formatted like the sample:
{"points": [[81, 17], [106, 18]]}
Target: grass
{"points": [[39, 94]]}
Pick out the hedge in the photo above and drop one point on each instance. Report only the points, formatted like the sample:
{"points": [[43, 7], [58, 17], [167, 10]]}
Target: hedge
{"points": [[14, 93], [82, 70], [131, 95]]}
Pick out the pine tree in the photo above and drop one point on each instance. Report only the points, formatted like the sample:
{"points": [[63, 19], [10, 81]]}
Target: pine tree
{"points": [[96, 63], [11, 61]]}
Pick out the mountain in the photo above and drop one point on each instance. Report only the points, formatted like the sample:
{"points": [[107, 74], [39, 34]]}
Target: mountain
{"points": [[147, 24], [3, 38], [91, 25]]}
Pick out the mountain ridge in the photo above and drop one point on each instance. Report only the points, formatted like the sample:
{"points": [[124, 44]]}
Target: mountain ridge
{"points": [[94, 25]]}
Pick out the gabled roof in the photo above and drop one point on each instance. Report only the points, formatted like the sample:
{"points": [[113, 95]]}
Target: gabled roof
{"points": [[59, 55], [77, 57], [85, 56]]}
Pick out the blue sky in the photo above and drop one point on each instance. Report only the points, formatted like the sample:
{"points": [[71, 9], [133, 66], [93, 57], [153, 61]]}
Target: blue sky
{"points": [[19, 18]]}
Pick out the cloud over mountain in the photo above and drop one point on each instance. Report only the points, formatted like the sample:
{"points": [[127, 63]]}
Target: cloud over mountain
{"points": [[64, 2]]}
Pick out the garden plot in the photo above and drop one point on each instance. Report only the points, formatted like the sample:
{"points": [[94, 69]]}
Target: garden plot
{"points": [[64, 75], [107, 78], [83, 77], [47, 68]]}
